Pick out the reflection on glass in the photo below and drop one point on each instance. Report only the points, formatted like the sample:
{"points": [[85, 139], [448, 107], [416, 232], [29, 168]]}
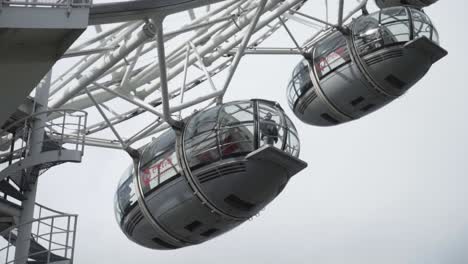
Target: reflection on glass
{"points": [[292, 144], [422, 26], [202, 123], [331, 53], [292, 139], [125, 197], [392, 15], [231, 134], [241, 127], [391, 26], [202, 149], [236, 114], [300, 82], [159, 162], [270, 126], [236, 141]]}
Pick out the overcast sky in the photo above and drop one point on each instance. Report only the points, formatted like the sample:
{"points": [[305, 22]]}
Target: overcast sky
{"points": [[389, 188]]}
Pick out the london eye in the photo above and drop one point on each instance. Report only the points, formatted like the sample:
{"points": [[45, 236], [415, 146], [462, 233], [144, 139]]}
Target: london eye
{"points": [[157, 81]]}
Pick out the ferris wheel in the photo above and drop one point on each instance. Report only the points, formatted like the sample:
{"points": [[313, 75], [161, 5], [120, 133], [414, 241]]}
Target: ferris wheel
{"points": [[164, 64], [150, 78]]}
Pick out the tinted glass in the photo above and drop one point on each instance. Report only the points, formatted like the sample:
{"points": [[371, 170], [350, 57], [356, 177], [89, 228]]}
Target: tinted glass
{"points": [[234, 133], [300, 82], [159, 162], [391, 26], [203, 122], [330, 53], [367, 35], [271, 127], [388, 27], [236, 114], [292, 139], [125, 197], [422, 26], [394, 14], [231, 134], [236, 141], [202, 149]]}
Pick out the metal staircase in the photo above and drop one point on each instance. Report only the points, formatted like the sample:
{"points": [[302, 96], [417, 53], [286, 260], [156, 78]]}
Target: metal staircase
{"points": [[52, 239], [22, 168], [62, 140]]}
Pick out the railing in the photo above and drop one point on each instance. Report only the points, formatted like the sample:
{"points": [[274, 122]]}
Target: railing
{"points": [[70, 126], [52, 238], [47, 3]]}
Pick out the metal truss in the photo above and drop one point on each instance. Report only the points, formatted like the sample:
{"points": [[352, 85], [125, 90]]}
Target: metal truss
{"points": [[166, 66]]}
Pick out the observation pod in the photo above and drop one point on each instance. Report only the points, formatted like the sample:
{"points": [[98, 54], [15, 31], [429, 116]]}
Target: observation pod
{"points": [[414, 3], [225, 165], [347, 76]]}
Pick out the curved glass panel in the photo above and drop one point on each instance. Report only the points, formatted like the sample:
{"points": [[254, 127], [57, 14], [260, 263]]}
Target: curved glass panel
{"points": [[330, 53], [125, 198], [299, 83], [395, 26], [393, 15], [367, 37], [159, 162], [236, 114], [378, 30], [292, 145], [240, 128], [422, 26], [271, 126], [202, 149], [391, 26], [203, 122], [236, 133], [236, 141], [230, 133]]}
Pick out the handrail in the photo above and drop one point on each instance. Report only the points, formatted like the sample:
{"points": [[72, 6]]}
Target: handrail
{"points": [[43, 112], [39, 219], [55, 234], [31, 255], [71, 123], [52, 210]]}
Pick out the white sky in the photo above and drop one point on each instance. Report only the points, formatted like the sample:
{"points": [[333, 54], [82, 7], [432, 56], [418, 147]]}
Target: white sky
{"points": [[389, 188]]}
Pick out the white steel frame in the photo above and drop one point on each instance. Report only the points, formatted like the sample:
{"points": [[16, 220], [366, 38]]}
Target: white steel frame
{"points": [[217, 41]]}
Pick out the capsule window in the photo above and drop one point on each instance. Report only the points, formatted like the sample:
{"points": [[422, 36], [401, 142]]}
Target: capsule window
{"points": [[236, 141], [375, 31], [236, 114], [271, 131], [159, 163], [203, 123], [392, 15], [292, 144], [396, 32], [330, 54], [126, 196], [422, 26], [202, 149]]}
